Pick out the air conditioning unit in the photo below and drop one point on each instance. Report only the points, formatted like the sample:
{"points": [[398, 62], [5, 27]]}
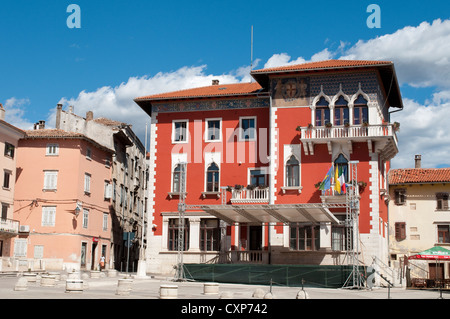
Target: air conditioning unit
{"points": [[24, 229]]}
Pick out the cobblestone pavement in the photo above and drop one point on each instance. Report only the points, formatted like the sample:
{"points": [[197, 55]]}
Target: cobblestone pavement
{"points": [[190, 295]]}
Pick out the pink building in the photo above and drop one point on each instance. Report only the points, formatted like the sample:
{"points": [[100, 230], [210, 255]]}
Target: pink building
{"points": [[9, 228], [63, 191]]}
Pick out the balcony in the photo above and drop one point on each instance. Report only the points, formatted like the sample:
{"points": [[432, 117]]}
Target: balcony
{"points": [[379, 138], [245, 195], [9, 227]]}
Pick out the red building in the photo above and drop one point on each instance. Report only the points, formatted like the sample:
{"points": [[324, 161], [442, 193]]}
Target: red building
{"points": [[255, 156]]}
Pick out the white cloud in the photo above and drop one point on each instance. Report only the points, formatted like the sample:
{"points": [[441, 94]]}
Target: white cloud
{"points": [[117, 102], [420, 54], [15, 113]]}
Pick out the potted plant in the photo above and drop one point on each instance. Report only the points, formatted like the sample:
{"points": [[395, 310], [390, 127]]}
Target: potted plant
{"points": [[396, 126], [251, 187]]}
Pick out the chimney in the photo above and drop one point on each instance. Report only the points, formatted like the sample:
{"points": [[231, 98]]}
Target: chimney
{"points": [[89, 116], [70, 109], [41, 125], [2, 112], [58, 116], [215, 82], [418, 160]]}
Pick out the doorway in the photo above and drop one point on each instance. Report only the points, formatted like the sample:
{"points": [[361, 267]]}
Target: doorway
{"points": [[94, 246], [83, 255], [436, 271], [255, 237]]}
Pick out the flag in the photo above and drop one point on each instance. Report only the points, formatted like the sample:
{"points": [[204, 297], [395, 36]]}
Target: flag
{"points": [[337, 182], [326, 183], [342, 179]]}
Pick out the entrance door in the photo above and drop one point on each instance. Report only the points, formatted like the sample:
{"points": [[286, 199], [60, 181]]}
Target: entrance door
{"points": [[255, 238], [93, 261], [436, 271], [83, 255]]}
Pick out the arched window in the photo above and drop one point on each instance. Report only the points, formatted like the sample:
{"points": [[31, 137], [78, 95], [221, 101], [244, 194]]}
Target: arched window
{"points": [[212, 178], [292, 172], [360, 111], [322, 112], [341, 163], [177, 179], [341, 112]]}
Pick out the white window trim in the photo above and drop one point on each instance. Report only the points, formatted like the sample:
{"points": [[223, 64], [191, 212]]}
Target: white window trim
{"points": [[241, 131], [288, 151], [48, 216], [51, 146], [263, 169], [211, 157], [187, 132], [105, 221], [85, 218], [220, 130], [48, 186], [87, 183]]}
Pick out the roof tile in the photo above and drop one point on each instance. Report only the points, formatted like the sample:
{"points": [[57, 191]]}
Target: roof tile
{"points": [[419, 175]]}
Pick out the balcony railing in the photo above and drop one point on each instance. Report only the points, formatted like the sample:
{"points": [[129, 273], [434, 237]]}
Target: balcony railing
{"points": [[244, 195], [9, 226], [338, 132]]}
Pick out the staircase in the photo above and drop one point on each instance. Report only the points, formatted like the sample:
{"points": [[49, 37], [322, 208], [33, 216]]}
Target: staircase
{"points": [[385, 276]]}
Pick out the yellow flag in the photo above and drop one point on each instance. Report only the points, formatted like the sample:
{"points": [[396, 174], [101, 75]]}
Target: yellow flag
{"points": [[337, 183]]}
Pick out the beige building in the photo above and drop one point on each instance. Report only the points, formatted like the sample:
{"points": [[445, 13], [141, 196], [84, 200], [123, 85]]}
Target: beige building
{"points": [[128, 181], [9, 228], [419, 218]]}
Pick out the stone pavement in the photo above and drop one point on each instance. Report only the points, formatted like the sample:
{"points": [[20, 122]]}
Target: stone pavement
{"points": [[149, 288], [143, 296]]}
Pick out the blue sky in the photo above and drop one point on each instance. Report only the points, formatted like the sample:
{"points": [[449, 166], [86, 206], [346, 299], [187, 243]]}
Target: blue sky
{"points": [[126, 49]]}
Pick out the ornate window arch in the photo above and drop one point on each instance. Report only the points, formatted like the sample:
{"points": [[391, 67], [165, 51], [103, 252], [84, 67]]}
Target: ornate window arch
{"points": [[212, 178], [292, 172]]}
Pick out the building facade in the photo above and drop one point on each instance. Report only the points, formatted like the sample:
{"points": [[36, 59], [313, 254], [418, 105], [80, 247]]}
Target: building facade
{"points": [[9, 227], [128, 182], [419, 217], [248, 160], [62, 200]]}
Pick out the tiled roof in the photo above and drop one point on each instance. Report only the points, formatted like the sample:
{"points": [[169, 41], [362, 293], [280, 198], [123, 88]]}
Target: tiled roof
{"points": [[328, 64], [207, 91], [108, 122], [419, 175], [52, 133]]}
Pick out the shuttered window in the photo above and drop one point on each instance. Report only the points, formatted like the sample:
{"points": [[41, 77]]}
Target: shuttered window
{"points": [[50, 180], [400, 196], [442, 201], [400, 231]]}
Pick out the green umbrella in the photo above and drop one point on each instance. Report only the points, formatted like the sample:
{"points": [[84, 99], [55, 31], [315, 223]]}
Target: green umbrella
{"points": [[433, 253]]}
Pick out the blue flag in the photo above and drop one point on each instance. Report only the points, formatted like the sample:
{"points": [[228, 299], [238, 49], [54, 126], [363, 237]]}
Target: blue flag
{"points": [[326, 183]]}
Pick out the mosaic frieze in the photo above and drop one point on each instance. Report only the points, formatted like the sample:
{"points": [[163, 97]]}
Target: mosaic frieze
{"points": [[209, 105]]}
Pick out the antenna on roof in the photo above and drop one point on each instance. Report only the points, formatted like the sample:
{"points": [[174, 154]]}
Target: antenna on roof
{"points": [[251, 53]]}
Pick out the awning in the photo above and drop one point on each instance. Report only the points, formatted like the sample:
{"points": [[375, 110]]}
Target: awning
{"points": [[286, 213], [434, 253]]}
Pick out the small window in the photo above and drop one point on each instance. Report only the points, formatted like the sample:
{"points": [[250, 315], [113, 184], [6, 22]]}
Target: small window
{"points": [[248, 128], [9, 150], [87, 183], [442, 201], [209, 234], [400, 231], [173, 229], [88, 153], [443, 234], [4, 211], [52, 150], [212, 178], [213, 130], [304, 237], [178, 178], [48, 216], [322, 112], [360, 111], [400, 196], [341, 112], [105, 221], [257, 177], [50, 180], [179, 131], [85, 217], [292, 172], [6, 179]]}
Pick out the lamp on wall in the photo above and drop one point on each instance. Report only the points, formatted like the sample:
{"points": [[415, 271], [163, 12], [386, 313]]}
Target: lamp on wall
{"points": [[78, 209]]}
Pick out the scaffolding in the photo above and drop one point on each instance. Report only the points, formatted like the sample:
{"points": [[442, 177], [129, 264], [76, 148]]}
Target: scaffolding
{"points": [[355, 279], [179, 274]]}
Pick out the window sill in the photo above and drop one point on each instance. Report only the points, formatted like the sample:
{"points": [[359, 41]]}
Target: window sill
{"points": [[172, 194], [204, 194], [292, 188], [49, 190]]}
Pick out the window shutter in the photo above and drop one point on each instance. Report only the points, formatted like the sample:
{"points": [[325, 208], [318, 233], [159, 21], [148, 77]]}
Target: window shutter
{"points": [[400, 231]]}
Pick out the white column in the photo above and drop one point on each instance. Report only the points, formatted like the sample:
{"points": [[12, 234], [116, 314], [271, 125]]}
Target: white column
{"points": [[194, 234], [325, 235]]}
